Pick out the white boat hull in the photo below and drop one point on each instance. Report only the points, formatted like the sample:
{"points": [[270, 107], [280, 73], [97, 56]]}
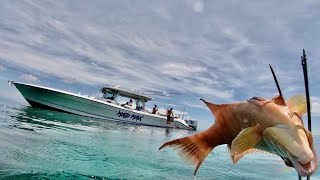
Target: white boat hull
{"points": [[38, 96]]}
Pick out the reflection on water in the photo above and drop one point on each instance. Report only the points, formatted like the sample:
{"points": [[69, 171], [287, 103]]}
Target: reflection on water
{"points": [[168, 131], [30, 118], [45, 118]]}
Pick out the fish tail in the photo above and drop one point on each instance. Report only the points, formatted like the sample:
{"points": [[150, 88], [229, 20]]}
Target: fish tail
{"points": [[193, 149]]}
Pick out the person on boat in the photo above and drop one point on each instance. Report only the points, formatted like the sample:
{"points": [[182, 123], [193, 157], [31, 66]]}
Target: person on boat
{"points": [[155, 109], [130, 102], [169, 116]]}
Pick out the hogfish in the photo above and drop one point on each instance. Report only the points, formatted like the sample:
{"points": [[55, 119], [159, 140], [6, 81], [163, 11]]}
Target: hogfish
{"points": [[258, 124]]}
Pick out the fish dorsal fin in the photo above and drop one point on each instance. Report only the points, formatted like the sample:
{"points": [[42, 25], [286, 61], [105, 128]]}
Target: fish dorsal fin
{"points": [[246, 140], [257, 98], [213, 107], [298, 103], [279, 100], [259, 101]]}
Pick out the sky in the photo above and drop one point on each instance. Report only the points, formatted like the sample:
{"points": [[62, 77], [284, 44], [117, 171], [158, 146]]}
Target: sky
{"points": [[216, 50]]}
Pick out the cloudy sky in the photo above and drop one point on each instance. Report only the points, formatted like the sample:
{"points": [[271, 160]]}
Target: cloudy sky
{"points": [[215, 50]]}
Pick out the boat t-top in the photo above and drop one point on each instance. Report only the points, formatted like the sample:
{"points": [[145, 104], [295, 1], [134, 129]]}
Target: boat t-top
{"points": [[106, 107]]}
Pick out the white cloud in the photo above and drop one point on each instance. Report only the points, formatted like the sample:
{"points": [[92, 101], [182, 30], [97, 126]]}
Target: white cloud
{"points": [[69, 80], [203, 106], [29, 77], [2, 68], [9, 92], [181, 69], [315, 108], [192, 47], [198, 6], [155, 56]]}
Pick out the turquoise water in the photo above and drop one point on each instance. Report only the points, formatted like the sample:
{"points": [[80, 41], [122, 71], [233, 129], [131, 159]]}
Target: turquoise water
{"points": [[42, 144]]}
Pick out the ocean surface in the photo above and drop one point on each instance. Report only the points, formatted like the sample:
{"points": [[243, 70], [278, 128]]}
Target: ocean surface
{"points": [[42, 144]]}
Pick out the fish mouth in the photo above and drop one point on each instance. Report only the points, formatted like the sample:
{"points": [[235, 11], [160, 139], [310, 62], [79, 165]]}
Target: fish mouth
{"points": [[303, 169]]}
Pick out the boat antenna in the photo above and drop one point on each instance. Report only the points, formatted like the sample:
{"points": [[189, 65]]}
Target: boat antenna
{"points": [[275, 79], [184, 108]]}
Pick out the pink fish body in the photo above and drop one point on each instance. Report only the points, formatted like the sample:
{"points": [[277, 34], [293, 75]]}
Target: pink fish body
{"points": [[258, 124]]}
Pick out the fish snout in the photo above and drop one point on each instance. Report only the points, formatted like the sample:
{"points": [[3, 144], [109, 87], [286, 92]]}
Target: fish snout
{"points": [[306, 164], [297, 143], [305, 157], [305, 169]]}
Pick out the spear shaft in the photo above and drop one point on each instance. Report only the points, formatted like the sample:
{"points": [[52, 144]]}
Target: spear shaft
{"points": [[306, 83], [275, 79]]}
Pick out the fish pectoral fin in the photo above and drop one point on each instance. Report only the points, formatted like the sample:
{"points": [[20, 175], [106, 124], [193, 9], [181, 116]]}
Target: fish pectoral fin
{"points": [[298, 103], [246, 140], [236, 158]]}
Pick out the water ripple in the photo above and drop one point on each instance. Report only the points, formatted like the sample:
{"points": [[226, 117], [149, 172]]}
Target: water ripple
{"points": [[42, 144]]}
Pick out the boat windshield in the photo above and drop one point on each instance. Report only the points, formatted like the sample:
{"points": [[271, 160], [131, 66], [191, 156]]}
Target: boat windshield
{"points": [[110, 95]]}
